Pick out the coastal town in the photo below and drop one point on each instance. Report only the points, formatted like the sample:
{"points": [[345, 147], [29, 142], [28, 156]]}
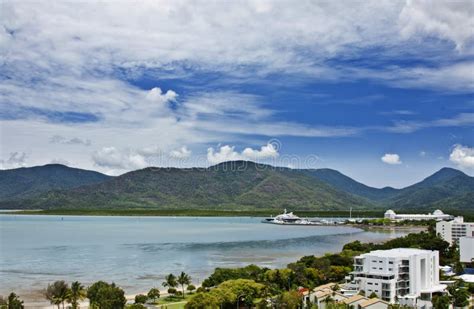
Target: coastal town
{"points": [[378, 276]]}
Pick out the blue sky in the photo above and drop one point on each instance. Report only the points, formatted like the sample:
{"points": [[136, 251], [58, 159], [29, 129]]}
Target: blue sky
{"points": [[382, 91]]}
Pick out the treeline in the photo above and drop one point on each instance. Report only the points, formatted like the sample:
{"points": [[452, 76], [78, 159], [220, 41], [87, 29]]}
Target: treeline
{"points": [[424, 240]]}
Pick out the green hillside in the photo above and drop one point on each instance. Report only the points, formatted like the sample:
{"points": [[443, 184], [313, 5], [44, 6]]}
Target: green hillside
{"points": [[28, 182], [237, 185], [231, 185]]}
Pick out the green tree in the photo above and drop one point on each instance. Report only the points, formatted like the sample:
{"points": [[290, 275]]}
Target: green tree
{"points": [[136, 306], [103, 295], [170, 281], [75, 294], [460, 297], [191, 288], [373, 295], [441, 301], [141, 299], [290, 300], [172, 291], [14, 302], [153, 294], [203, 300], [183, 279], [57, 293]]}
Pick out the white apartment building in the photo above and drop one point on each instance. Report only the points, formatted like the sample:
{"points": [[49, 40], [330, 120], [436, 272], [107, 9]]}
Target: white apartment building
{"points": [[436, 215], [407, 276], [451, 231], [466, 249]]}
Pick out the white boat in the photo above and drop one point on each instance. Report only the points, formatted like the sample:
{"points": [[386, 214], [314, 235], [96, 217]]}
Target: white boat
{"points": [[288, 218]]}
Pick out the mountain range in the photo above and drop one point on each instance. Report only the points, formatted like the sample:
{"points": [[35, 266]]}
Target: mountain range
{"points": [[225, 186]]}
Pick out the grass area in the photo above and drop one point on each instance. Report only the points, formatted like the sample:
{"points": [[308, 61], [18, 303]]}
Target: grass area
{"points": [[195, 212]]}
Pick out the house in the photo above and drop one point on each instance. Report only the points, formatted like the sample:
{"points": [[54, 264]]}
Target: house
{"points": [[354, 301], [374, 303]]}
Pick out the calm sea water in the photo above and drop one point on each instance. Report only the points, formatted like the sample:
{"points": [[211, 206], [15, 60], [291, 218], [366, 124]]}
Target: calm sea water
{"points": [[136, 252]]}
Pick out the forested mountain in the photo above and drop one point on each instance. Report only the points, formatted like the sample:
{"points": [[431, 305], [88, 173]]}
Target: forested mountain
{"points": [[229, 185], [27, 182]]}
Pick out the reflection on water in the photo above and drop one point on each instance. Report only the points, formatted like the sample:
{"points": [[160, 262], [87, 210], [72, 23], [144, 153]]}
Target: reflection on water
{"points": [[136, 252]]}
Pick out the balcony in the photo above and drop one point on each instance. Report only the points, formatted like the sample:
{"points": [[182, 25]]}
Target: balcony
{"points": [[403, 269]]}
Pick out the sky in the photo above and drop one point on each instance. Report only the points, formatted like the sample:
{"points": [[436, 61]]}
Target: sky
{"points": [[379, 90]]}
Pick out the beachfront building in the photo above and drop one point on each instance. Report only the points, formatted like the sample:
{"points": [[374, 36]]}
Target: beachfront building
{"points": [[406, 276], [452, 230], [436, 215], [466, 249]]}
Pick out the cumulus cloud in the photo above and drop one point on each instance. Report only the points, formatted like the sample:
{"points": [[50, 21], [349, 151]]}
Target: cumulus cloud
{"points": [[113, 158], [15, 160], [228, 153], [58, 139], [266, 151], [463, 156], [181, 153], [391, 158], [156, 95]]}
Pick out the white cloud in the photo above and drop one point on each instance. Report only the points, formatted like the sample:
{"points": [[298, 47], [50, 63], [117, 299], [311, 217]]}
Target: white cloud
{"points": [[449, 20], [228, 153], [58, 139], [391, 158], [181, 153], [157, 95], [225, 153], [112, 158], [463, 156], [15, 160], [265, 152]]}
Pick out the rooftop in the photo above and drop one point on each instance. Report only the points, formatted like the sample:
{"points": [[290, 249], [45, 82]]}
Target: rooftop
{"points": [[353, 298], [371, 302], [398, 252]]}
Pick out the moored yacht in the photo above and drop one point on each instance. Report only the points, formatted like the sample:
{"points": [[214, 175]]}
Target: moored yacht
{"points": [[289, 218]]}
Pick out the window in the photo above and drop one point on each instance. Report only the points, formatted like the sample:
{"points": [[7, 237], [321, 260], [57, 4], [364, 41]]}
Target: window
{"points": [[391, 262]]}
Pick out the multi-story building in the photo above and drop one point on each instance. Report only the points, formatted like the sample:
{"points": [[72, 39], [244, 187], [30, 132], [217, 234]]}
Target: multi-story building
{"points": [[407, 276], [466, 249], [436, 215], [452, 230]]}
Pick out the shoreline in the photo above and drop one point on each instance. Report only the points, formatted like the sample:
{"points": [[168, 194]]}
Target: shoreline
{"points": [[190, 213]]}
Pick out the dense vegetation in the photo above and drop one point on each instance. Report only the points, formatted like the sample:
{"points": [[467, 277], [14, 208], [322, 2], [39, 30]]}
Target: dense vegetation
{"points": [[237, 185], [29, 182]]}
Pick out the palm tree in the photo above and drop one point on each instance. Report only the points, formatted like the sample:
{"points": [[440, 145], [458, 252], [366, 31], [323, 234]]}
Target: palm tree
{"points": [[184, 279], [57, 293], [170, 281], [76, 294]]}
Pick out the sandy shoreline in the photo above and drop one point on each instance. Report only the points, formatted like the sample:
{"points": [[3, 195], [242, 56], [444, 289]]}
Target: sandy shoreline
{"points": [[37, 301]]}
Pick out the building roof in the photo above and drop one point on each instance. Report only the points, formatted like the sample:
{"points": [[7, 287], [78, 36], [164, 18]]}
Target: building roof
{"points": [[353, 299], [398, 252], [371, 302], [468, 278], [323, 293], [324, 286]]}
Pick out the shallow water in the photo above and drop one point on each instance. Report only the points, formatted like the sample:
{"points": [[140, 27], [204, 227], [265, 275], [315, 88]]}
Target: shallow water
{"points": [[136, 252]]}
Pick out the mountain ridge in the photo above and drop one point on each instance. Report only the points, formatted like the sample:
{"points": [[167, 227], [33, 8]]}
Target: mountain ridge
{"points": [[233, 184]]}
